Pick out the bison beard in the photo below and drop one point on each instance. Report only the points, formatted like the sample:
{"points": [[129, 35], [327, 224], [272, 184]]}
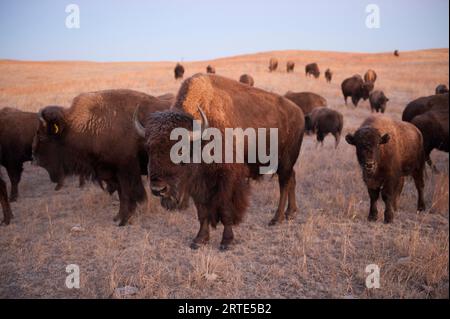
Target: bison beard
{"points": [[220, 190]]}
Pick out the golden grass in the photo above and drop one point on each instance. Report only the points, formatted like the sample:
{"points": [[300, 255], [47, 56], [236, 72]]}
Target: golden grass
{"points": [[322, 253]]}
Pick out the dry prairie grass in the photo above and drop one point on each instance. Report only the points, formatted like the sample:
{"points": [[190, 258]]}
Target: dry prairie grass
{"points": [[322, 253]]}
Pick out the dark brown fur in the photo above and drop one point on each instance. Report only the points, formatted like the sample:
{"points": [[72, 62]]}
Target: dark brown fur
{"points": [[356, 88], [290, 66], [328, 75], [247, 79], [220, 190], [210, 69], [416, 107], [396, 53], [95, 138], [307, 101], [7, 214], [378, 101], [322, 121], [389, 150], [441, 89], [312, 69], [178, 71], [370, 76], [273, 64]]}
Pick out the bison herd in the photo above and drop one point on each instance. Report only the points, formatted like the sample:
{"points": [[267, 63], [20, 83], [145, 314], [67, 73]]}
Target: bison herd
{"points": [[114, 137]]}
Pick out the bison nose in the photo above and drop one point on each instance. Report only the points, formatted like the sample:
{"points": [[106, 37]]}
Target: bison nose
{"points": [[159, 191], [369, 166]]}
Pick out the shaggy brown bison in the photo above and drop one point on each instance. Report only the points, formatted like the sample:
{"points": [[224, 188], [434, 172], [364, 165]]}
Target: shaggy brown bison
{"points": [[370, 76], [290, 66], [433, 124], [416, 107], [178, 71], [312, 69], [7, 214], [441, 89], [210, 69], [273, 64], [387, 151], [247, 79], [307, 101], [322, 121], [95, 138], [17, 130], [378, 101], [396, 53], [328, 75], [356, 88], [220, 190]]}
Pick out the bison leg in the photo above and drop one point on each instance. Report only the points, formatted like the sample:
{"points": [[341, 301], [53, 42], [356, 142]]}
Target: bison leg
{"points": [[82, 181], [14, 173], [7, 214], [373, 211], [227, 237], [337, 139], [60, 183], [132, 192], [284, 187], [420, 184], [292, 203], [202, 237], [398, 192], [389, 196]]}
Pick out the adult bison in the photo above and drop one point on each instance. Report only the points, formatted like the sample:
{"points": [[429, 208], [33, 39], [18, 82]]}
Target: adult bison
{"points": [[178, 71], [17, 130], [220, 190], [307, 101], [290, 66], [273, 64], [247, 79], [433, 124], [312, 69], [328, 75], [323, 121], [7, 214], [370, 76], [396, 53], [416, 107], [210, 69], [378, 101], [441, 89], [356, 88], [95, 138], [387, 151]]}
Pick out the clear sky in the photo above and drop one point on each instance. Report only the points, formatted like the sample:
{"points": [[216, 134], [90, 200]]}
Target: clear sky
{"points": [[134, 30]]}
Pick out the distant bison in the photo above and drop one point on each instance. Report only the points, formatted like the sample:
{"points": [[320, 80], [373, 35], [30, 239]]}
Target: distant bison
{"points": [[322, 121], [387, 151], [247, 79], [95, 138], [434, 126], [17, 130], [179, 71], [396, 53], [441, 89], [273, 64], [356, 88], [307, 101], [290, 66], [210, 69], [370, 76], [7, 214], [328, 75], [312, 69], [378, 101]]}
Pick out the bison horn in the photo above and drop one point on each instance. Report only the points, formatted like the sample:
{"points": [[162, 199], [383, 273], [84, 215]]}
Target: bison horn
{"points": [[140, 130], [205, 125], [41, 118]]}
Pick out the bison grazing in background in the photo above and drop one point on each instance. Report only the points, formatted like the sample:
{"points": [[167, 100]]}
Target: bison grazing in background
{"points": [[7, 214], [220, 190], [356, 88], [396, 53], [95, 138], [378, 101], [328, 75], [179, 71], [273, 64], [210, 69], [441, 89], [247, 79], [433, 124], [307, 101], [17, 130], [322, 121], [312, 69], [290, 66], [370, 76], [387, 151]]}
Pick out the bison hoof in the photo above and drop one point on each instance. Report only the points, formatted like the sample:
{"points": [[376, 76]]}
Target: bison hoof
{"points": [[116, 218], [291, 216], [225, 247], [388, 221], [58, 187], [421, 208], [5, 222], [372, 218], [195, 246], [13, 199]]}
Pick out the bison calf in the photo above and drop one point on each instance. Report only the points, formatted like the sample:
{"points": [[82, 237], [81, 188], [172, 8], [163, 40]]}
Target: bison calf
{"points": [[378, 101], [322, 121], [387, 151]]}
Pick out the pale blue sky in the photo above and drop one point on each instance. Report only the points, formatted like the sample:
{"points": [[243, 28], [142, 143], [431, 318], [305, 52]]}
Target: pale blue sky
{"points": [[136, 30]]}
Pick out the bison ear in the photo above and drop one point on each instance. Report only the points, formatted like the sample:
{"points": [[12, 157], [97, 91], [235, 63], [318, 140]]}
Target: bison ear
{"points": [[385, 138], [350, 139]]}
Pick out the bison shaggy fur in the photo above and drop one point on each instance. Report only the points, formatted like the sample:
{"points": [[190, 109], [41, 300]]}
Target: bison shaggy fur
{"points": [[323, 121], [356, 88], [312, 69], [307, 101]]}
